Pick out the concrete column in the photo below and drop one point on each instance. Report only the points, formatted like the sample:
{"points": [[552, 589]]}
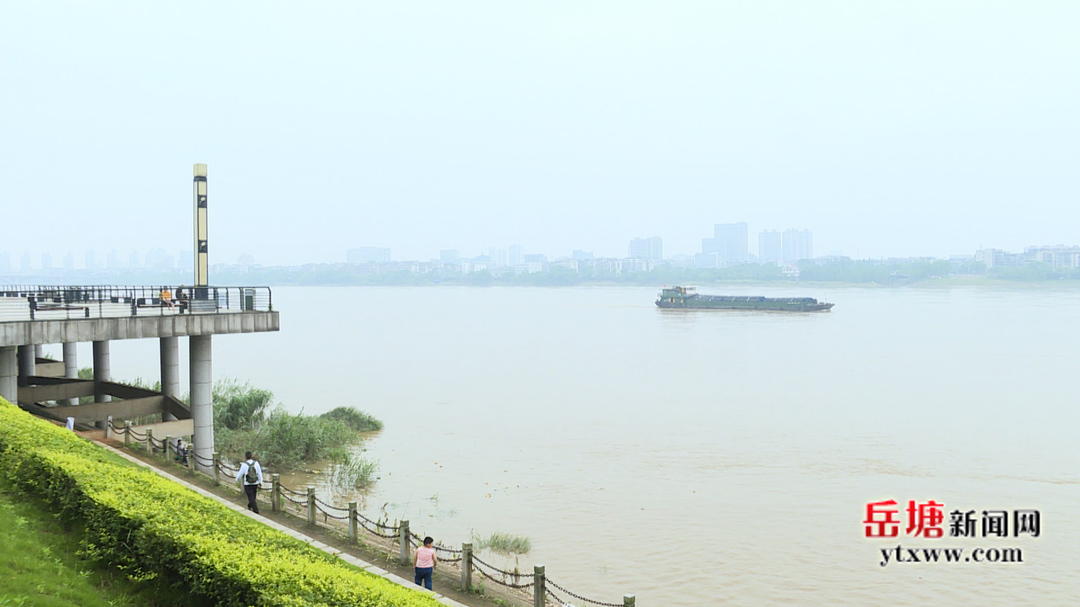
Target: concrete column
{"points": [[202, 406], [71, 366], [170, 371], [9, 373], [101, 373], [27, 364], [39, 350], [101, 370]]}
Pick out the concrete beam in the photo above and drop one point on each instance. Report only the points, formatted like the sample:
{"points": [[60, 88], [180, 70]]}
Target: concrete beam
{"points": [[77, 330], [121, 409], [68, 390]]}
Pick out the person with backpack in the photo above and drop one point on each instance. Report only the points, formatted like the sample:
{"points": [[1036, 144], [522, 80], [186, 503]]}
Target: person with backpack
{"points": [[251, 472]]}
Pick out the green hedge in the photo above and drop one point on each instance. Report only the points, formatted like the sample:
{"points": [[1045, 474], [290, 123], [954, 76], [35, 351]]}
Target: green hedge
{"points": [[150, 527]]}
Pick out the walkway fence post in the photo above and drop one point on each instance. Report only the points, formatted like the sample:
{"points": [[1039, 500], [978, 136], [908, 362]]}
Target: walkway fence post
{"points": [[354, 536], [149, 442], [191, 460], [403, 539], [628, 600], [168, 441], [127, 434], [311, 506], [217, 462], [466, 566], [108, 428], [275, 492], [539, 586]]}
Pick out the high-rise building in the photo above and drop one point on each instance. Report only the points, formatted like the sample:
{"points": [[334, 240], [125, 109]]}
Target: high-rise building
{"points": [[580, 255], [496, 256], [368, 255], [730, 242], [159, 259], [89, 261], [647, 248], [46, 261], [517, 255], [797, 245], [770, 246]]}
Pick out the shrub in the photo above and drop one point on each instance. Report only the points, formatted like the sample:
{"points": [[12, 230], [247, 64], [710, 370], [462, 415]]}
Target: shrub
{"points": [[150, 527], [355, 419], [239, 406], [288, 440]]}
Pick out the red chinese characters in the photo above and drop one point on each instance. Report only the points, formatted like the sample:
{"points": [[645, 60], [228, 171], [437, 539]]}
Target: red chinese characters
{"points": [[925, 519], [881, 519]]}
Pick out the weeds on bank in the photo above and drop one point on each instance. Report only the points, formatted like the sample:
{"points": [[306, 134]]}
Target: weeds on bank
{"points": [[353, 472], [503, 543]]}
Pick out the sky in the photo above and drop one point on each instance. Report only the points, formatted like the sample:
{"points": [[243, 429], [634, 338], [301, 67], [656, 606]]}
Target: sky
{"points": [[887, 128]]}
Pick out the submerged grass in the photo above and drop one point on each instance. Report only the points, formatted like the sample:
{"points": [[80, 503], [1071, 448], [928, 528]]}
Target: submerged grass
{"points": [[503, 543], [353, 472]]}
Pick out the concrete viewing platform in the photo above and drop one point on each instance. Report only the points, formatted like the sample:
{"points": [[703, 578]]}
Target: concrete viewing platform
{"points": [[31, 316], [66, 314]]}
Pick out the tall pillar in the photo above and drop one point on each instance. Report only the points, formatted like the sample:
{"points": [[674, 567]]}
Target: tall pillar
{"points": [[39, 351], [101, 373], [9, 373], [27, 364], [71, 366], [170, 371], [202, 260], [202, 407]]}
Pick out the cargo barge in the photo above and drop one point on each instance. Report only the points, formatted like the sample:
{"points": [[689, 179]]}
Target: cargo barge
{"points": [[686, 297]]}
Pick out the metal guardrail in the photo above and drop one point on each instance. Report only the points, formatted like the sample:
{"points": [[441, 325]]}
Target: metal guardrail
{"points": [[61, 302]]}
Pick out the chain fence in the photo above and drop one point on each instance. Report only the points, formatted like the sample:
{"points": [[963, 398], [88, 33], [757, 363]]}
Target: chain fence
{"points": [[514, 580]]}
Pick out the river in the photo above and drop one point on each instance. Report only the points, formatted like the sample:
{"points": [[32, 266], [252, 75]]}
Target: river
{"points": [[701, 457]]}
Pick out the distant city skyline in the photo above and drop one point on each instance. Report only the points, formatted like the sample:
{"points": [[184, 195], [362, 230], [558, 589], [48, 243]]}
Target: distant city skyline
{"points": [[774, 246]]}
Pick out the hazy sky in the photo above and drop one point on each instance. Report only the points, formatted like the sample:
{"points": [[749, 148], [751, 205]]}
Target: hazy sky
{"points": [[887, 128]]}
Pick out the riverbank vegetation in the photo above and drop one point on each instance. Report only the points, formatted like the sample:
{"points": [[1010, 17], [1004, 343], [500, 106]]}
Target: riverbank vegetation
{"points": [[502, 543], [245, 419]]}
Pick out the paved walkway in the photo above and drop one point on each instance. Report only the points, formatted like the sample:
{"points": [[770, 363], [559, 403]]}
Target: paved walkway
{"points": [[348, 558]]}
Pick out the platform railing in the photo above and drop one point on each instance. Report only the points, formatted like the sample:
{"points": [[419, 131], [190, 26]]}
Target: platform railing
{"points": [[60, 302]]}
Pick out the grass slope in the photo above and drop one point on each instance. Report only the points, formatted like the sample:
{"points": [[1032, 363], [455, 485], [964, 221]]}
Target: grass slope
{"points": [[39, 562]]}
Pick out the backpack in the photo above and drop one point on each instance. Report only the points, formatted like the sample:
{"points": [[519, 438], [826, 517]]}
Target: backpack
{"points": [[252, 477]]}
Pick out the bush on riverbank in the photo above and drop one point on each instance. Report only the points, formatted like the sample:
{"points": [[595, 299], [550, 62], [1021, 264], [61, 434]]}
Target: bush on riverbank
{"points": [[153, 528], [355, 419], [284, 440]]}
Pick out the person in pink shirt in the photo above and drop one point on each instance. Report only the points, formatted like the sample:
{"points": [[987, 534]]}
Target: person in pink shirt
{"points": [[425, 562]]}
